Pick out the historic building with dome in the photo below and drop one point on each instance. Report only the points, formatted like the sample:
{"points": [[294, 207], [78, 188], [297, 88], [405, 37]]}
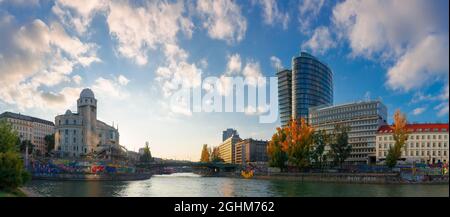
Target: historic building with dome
{"points": [[81, 134]]}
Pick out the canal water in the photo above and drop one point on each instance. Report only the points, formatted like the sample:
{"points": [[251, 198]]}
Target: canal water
{"points": [[191, 185]]}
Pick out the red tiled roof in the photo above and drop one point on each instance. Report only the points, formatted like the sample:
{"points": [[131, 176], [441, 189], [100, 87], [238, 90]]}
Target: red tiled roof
{"points": [[417, 128]]}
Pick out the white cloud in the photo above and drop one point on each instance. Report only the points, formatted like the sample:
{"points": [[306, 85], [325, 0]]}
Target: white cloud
{"points": [[251, 110], [320, 41], [234, 64], [272, 14], [111, 88], [77, 79], [78, 14], [426, 61], [412, 38], [34, 55], [418, 111], [275, 62], [141, 29], [222, 19], [308, 12]]}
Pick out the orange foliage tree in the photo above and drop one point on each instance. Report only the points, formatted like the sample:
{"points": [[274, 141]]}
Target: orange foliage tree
{"points": [[292, 143], [400, 134]]}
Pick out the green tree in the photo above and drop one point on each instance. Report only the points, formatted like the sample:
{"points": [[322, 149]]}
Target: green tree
{"points": [[320, 140], [49, 143], [24, 144], [340, 149], [12, 171], [400, 134], [215, 155], [147, 156], [205, 154], [277, 157]]}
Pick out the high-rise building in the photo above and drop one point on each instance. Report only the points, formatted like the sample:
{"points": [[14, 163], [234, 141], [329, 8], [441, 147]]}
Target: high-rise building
{"points": [[308, 84], [364, 120], [312, 84], [426, 143], [227, 149], [81, 133], [285, 95], [30, 128], [251, 150], [228, 133]]}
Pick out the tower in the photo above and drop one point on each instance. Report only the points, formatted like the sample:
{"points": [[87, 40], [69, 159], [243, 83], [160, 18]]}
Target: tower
{"points": [[87, 109]]}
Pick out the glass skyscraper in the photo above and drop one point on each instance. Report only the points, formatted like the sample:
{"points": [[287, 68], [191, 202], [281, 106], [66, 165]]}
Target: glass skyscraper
{"points": [[308, 84], [285, 95], [312, 84]]}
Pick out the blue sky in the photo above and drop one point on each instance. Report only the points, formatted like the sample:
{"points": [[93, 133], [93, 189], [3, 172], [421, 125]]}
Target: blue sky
{"points": [[132, 52]]}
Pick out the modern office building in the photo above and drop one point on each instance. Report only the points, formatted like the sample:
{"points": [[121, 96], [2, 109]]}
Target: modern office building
{"points": [[427, 143], [227, 148], [228, 133], [251, 150], [364, 120], [312, 84], [285, 95], [81, 133], [30, 128], [308, 84]]}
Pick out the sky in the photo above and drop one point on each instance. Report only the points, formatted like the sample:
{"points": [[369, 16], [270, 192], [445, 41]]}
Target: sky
{"points": [[135, 55]]}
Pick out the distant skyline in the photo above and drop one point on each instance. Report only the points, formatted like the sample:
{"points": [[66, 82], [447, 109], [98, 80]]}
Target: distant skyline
{"points": [[133, 53]]}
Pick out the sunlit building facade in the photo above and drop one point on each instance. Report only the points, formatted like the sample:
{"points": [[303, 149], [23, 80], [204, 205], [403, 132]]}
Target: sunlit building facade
{"points": [[363, 118], [227, 149], [30, 128], [78, 134], [251, 150], [426, 143]]}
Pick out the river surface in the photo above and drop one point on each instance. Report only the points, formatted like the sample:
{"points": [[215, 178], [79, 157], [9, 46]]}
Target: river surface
{"points": [[191, 185]]}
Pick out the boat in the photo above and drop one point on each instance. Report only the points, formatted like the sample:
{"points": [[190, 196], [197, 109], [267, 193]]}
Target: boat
{"points": [[247, 174]]}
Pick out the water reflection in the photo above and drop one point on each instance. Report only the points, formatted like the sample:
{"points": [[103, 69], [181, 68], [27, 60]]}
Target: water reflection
{"points": [[191, 185]]}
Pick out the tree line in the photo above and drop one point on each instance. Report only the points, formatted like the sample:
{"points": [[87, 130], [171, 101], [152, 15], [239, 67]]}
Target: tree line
{"points": [[210, 154]]}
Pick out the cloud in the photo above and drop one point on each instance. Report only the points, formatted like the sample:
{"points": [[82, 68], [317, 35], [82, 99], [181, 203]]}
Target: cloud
{"points": [[36, 55], [78, 14], [308, 12], [139, 29], [111, 88], [425, 62], [222, 19], [234, 64], [275, 62], [251, 110], [418, 111], [412, 39], [272, 14], [320, 42], [77, 79]]}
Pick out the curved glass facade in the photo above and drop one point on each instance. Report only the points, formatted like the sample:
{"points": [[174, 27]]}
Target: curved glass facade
{"points": [[312, 84]]}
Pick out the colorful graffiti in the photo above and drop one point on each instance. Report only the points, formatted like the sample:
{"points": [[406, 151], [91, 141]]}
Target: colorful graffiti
{"points": [[61, 166]]}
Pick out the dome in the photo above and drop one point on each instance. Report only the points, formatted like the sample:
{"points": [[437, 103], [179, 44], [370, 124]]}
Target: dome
{"points": [[87, 93], [68, 112]]}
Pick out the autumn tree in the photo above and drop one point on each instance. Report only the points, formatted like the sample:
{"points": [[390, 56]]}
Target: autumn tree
{"points": [[340, 149], [215, 155], [205, 154], [320, 140], [400, 134], [298, 143], [277, 157]]}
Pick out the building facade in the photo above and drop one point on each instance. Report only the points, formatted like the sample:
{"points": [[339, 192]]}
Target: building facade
{"points": [[364, 120], [228, 133], [312, 84], [251, 150], [426, 143], [227, 149], [80, 133], [30, 128], [285, 95]]}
